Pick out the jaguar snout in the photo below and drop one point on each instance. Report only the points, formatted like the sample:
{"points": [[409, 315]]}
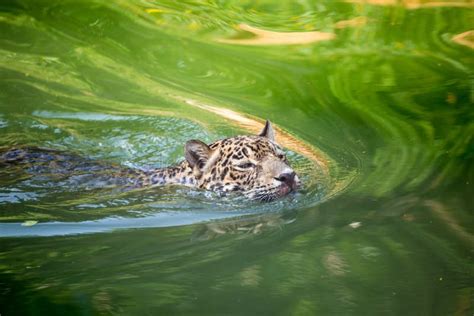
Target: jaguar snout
{"points": [[289, 178]]}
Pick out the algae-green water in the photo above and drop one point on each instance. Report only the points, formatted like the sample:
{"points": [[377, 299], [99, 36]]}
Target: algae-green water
{"points": [[375, 98]]}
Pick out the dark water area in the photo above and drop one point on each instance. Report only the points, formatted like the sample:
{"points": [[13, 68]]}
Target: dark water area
{"points": [[373, 101]]}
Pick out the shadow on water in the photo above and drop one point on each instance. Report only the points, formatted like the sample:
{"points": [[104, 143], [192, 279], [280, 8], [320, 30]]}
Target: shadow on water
{"points": [[19, 298]]}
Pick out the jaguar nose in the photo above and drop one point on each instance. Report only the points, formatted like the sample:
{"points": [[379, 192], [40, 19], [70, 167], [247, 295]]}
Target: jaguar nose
{"points": [[288, 179]]}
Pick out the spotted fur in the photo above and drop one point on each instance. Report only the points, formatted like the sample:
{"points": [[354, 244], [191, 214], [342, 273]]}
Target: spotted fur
{"points": [[252, 165]]}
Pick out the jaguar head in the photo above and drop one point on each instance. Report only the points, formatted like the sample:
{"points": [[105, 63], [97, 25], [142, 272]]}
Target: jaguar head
{"points": [[255, 166]]}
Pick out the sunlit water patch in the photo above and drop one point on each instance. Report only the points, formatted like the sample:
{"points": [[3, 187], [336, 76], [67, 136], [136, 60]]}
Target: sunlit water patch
{"points": [[72, 204]]}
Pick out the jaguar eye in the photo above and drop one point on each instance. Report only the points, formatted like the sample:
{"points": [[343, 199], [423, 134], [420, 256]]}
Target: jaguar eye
{"points": [[246, 165], [281, 156]]}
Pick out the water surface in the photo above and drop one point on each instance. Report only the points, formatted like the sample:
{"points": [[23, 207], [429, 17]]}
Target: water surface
{"points": [[373, 100]]}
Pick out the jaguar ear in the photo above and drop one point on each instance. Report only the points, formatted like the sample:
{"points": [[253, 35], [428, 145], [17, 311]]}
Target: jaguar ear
{"points": [[197, 153], [268, 131]]}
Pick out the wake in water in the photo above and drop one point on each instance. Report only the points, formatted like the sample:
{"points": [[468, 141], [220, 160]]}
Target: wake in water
{"points": [[81, 182]]}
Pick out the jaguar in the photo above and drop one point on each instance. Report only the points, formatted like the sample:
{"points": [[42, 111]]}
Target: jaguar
{"points": [[254, 166]]}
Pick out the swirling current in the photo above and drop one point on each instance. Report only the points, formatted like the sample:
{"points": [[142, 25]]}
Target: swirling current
{"points": [[372, 100]]}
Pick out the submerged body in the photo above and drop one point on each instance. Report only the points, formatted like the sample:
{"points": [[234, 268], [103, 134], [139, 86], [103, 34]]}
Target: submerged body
{"points": [[252, 165]]}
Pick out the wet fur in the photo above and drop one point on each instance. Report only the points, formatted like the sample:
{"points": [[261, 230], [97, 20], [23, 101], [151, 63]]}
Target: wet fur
{"points": [[249, 165]]}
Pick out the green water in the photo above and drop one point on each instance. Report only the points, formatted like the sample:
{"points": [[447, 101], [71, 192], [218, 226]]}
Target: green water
{"points": [[386, 229]]}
